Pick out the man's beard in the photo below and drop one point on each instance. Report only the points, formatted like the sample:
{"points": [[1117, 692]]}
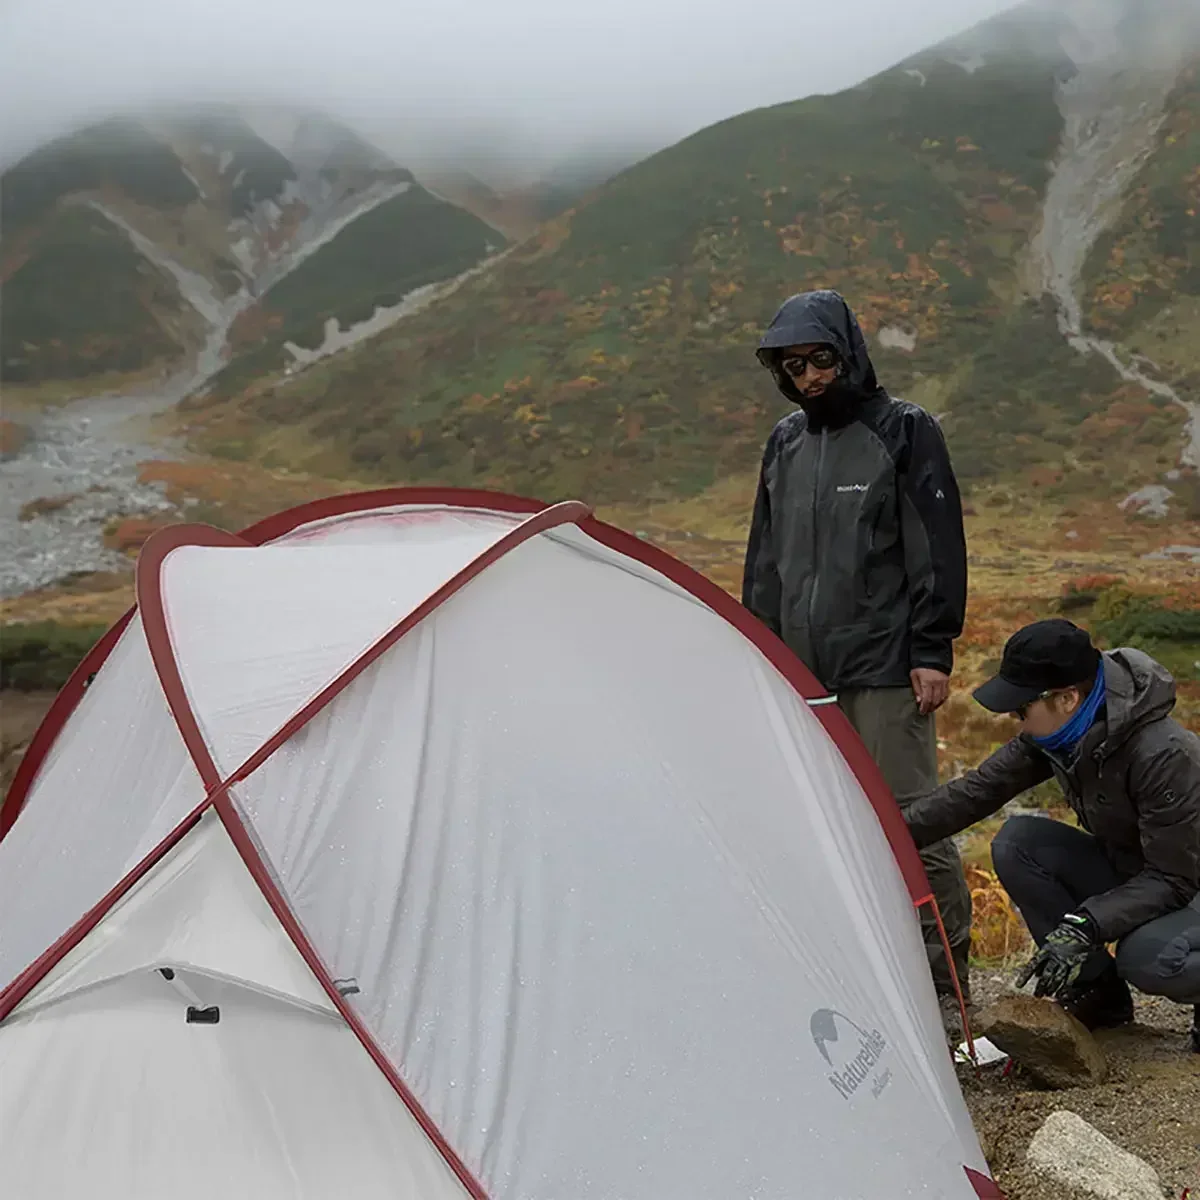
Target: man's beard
{"points": [[833, 407]]}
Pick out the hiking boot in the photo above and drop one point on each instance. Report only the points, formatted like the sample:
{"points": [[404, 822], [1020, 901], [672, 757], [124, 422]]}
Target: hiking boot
{"points": [[952, 1017], [1105, 1004]]}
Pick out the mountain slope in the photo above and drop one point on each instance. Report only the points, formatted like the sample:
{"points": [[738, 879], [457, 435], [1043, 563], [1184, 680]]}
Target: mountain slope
{"points": [[403, 244], [613, 353], [78, 297], [1143, 283], [197, 222], [81, 301]]}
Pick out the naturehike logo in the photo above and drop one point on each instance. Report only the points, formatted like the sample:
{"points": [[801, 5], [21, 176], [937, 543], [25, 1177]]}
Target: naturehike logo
{"points": [[852, 1052], [854, 487]]}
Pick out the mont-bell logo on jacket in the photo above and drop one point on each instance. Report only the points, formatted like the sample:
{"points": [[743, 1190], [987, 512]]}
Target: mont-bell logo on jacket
{"points": [[851, 1052]]}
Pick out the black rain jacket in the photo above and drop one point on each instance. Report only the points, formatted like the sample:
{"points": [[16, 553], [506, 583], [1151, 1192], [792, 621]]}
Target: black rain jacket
{"points": [[856, 555], [1134, 784]]}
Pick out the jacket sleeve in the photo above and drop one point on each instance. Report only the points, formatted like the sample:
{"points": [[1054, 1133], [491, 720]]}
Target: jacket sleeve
{"points": [[761, 587], [1011, 770], [1167, 795], [935, 546]]}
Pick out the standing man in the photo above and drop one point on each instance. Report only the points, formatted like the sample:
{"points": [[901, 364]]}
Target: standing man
{"points": [[857, 560]]}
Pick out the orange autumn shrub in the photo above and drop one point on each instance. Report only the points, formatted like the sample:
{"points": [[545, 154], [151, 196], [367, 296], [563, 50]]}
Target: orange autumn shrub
{"points": [[998, 933]]}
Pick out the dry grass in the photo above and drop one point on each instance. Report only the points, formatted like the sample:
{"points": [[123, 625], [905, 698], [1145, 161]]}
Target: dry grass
{"points": [[29, 398], [998, 934]]}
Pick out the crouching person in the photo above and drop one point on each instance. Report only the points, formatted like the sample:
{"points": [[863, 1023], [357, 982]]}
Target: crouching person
{"points": [[1100, 724]]}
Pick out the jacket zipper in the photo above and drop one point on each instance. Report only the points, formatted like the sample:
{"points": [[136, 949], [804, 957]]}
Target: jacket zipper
{"points": [[812, 524]]}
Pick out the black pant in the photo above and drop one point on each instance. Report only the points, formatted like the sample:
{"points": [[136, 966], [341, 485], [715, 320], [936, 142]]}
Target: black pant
{"points": [[1048, 868]]}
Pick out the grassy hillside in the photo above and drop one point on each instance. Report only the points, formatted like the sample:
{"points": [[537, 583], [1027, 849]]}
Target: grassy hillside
{"points": [[612, 354], [113, 156], [81, 301], [221, 201], [250, 170], [615, 350], [516, 213], [1143, 282], [406, 242]]}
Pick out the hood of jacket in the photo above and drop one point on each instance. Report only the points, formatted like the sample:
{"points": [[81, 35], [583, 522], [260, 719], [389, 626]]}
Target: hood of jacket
{"points": [[820, 316], [1137, 690]]}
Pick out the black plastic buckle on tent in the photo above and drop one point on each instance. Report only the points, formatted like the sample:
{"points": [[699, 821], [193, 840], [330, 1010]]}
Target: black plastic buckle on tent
{"points": [[197, 1013], [347, 987]]}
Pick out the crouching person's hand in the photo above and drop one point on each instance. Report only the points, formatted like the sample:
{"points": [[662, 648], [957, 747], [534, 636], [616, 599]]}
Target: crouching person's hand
{"points": [[1058, 963]]}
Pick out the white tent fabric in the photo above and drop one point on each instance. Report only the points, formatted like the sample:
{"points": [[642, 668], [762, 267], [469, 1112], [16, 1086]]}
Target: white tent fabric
{"points": [[199, 910], [107, 1092], [614, 906], [234, 617], [117, 782]]}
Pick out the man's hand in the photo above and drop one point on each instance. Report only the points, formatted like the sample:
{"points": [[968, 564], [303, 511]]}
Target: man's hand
{"points": [[1058, 963], [930, 687]]}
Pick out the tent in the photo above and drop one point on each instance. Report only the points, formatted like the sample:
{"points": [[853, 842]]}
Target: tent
{"points": [[428, 844]]}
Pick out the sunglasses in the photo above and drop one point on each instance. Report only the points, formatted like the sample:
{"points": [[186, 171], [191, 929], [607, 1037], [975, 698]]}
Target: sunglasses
{"points": [[1022, 710], [822, 359]]}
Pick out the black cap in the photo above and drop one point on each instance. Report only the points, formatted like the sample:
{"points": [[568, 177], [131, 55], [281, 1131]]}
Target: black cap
{"points": [[1039, 658]]}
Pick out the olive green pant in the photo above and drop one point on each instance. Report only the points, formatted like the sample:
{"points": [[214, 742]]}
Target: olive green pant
{"points": [[904, 744]]}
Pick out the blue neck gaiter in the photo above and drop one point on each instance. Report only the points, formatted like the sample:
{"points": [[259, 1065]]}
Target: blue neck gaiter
{"points": [[1064, 740]]}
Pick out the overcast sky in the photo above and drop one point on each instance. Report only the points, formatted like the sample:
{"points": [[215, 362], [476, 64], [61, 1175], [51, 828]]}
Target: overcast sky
{"points": [[551, 77]]}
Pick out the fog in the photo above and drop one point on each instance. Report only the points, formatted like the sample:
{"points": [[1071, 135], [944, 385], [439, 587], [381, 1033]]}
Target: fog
{"points": [[516, 87], [527, 79]]}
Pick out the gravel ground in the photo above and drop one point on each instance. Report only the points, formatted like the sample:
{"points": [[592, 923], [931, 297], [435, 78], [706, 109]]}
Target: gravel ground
{"points": [[1149, 1105], [87, 455]]}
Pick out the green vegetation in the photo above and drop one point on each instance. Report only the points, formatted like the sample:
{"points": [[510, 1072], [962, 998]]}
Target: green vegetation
{"points": [[1165, 627], [1025, 397], [83, 302], [1150, 259], [253, 169], [612, 355], [405, 243], [402, 244], [259, 172], [116, 154], [1171, 635], [40, 656]]}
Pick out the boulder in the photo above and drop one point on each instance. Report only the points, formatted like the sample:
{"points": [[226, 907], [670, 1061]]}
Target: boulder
{"points": [[1069, 1152], [1053, 1047]]}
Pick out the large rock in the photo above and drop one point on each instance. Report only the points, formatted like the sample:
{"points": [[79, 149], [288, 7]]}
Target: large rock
{"points": [[1069, 1152], [1050, 1044]]}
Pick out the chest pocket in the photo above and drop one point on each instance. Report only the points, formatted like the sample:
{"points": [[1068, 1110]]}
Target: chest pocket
{"points": [[881, 573], [879, 517]]}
